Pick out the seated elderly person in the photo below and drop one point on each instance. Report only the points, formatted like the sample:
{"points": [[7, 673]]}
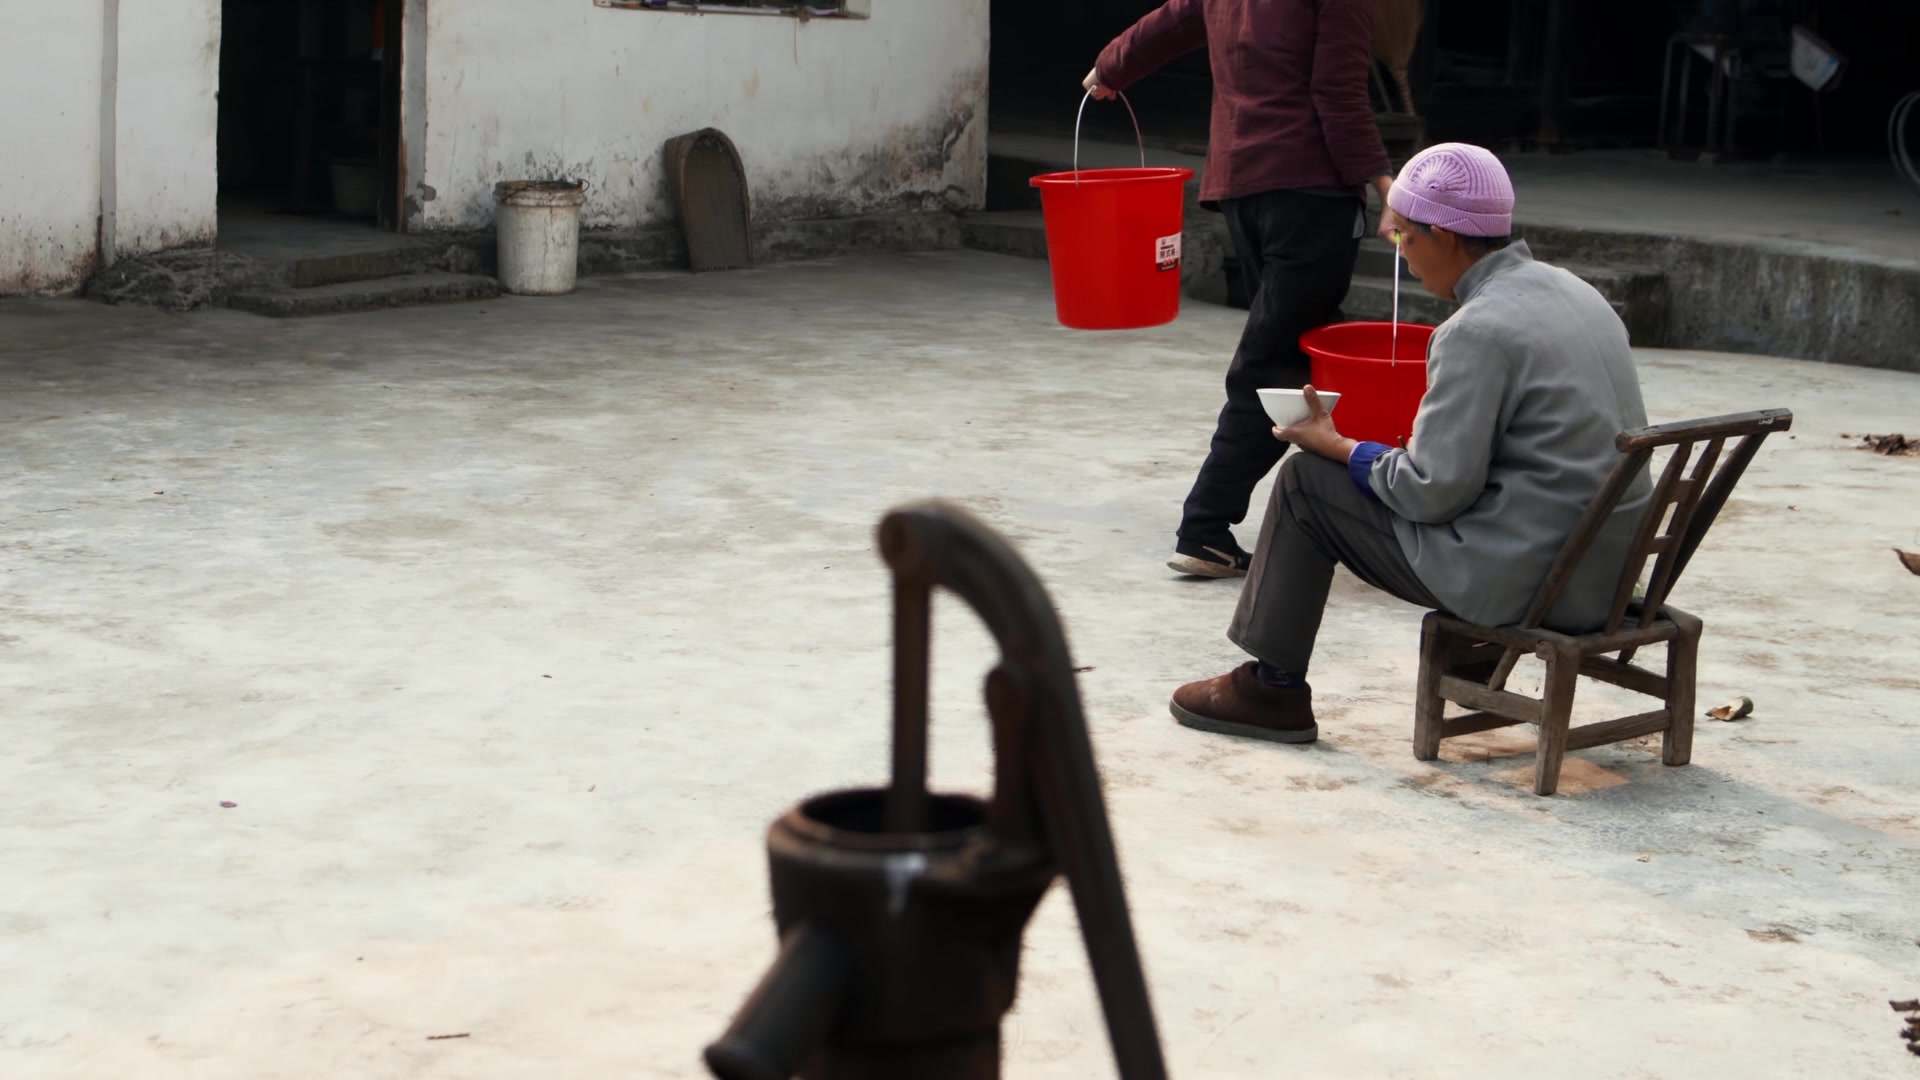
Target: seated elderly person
{"points": [[1527, 386]]}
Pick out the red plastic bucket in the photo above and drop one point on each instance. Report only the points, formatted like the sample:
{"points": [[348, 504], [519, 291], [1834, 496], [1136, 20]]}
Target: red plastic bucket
{"points": [[1380, 387], [1113, 241]]}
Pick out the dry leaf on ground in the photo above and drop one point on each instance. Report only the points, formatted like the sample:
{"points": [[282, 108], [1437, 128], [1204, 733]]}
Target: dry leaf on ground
{"points": [[1891, 445], [1738, 709]]}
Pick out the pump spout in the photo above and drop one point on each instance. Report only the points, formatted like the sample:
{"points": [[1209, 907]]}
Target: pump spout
{"points": [[786, 1019]]}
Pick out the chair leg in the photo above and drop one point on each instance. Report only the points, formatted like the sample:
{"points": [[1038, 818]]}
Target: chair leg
{"points": [[1428, 707], [1683, 655], [1556, 715]]}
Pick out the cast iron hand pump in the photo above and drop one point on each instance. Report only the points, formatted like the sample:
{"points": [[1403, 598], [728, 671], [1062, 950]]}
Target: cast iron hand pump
{"points": [[900, 913]]}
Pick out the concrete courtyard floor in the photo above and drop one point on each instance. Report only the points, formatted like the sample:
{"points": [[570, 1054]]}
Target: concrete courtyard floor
{"points": [[509, 627]]}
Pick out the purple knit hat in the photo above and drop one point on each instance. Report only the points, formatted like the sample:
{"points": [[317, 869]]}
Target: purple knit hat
{"points": [[1460, 188]]}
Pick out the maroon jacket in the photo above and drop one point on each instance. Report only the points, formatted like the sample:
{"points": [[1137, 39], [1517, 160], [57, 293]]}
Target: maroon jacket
{"points": [[1290, 107]]}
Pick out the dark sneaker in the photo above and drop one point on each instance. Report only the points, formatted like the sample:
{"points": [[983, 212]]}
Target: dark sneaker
{"points": [[1219, 560], [1238, 703]]}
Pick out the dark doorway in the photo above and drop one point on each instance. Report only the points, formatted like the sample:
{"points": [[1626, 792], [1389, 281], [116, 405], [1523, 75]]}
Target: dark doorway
{"points": [[310, 109], [1042, 51], [1576, 74]]}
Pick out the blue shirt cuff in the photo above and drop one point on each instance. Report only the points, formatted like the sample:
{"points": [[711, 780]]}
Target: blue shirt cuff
{"points": [[1360, 465]]}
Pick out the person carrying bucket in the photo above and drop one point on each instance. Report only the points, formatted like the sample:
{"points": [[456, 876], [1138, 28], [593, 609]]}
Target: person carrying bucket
{"points": [[1292, 151], [1529, 382]]}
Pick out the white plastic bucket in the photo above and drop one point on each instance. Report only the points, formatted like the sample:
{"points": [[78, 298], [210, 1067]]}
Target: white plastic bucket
{"points": [[538, 226]]}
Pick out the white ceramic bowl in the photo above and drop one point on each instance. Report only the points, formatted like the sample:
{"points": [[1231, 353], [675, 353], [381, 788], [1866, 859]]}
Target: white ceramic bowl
{"points": [[1289, 407]]}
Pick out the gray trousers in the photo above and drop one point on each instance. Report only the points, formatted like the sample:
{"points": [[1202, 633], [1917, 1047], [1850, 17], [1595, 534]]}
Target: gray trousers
{"points": [[1316, 518]]}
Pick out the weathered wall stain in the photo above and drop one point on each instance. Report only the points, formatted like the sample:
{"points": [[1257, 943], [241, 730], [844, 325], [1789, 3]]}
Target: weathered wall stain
{"points": [[935, 164], [44, 259], [833, 118]]}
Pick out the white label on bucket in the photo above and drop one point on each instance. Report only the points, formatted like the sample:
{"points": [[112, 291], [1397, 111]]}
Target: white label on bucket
{"points": [[1167, 252]]}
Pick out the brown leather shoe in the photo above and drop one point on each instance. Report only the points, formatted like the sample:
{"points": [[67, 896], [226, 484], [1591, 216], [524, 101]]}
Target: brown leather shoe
{"points": [[1238, 703]]}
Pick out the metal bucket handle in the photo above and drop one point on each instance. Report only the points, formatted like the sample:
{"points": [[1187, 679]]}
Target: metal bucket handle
{"points": [[1082, 115]]}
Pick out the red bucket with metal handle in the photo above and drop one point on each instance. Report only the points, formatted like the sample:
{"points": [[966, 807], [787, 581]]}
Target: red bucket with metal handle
{"points": [[1381, 380], [1113, 241]]}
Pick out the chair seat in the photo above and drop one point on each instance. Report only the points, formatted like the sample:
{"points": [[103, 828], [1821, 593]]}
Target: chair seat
{"points": [[1669, 624]]}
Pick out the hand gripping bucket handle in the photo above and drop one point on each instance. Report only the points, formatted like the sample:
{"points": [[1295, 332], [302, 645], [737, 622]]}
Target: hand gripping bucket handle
{"points": [[1139, 139]]}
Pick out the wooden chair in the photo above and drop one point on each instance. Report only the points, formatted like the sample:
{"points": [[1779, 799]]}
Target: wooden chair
{"points": [[1468, 664]]}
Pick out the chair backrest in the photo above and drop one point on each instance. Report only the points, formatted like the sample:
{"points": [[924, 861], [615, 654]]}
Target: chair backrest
{"points": [[1683, 507]]}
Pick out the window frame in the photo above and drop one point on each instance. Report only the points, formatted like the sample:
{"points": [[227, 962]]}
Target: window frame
{"points": [[804, 10]]}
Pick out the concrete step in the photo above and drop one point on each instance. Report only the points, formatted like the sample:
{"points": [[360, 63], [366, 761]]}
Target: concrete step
{"points": [[1638, 294], [411, 257], [386, 292], [1212, 272], [1007, 183], [1371, 299], [1377, 260], [1023, 233], [1014, 160]]}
